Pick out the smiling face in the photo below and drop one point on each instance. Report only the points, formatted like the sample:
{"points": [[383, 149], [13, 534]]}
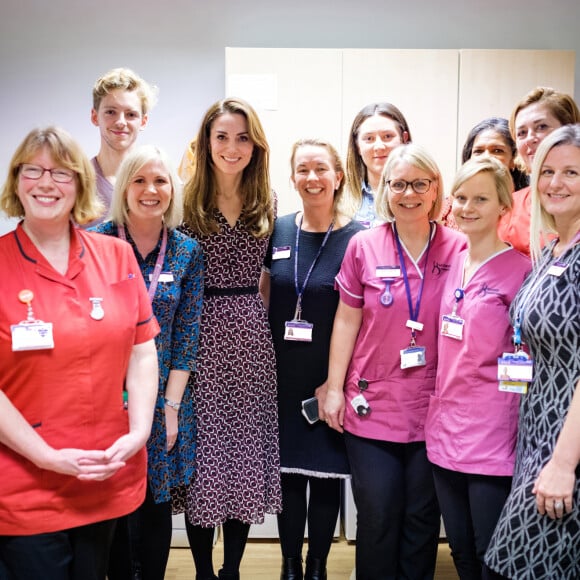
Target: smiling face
{"points": [[559, 184], [149, 192], [410, 206], [532, 125], [490, 143], [476, 206], [315, 178], [376, 137], [43, 199], [119, 119], [230, 144]]}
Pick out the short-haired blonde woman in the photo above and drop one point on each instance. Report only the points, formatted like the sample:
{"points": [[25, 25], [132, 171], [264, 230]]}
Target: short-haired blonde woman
{"points": [[76, 328], [229, 210], [147, 207], [472, 421], [383, 359], [121, 104]]}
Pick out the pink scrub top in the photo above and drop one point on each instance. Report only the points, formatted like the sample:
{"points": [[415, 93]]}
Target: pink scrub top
{"points": [[398, 398], [471, 425]]}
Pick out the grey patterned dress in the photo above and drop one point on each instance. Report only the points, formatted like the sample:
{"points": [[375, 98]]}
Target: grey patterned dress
{"points": [[527, 545], [234, 386]]}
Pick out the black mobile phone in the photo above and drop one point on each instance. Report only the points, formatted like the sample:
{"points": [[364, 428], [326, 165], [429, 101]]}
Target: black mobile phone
{"points": [[310, 410]]}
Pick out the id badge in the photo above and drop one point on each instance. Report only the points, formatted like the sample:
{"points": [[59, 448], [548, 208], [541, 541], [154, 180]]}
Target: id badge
{"points": [[387, 271], [414, 356], [557, 269], [32, 336], [163, 277], [516, 367], [452, 326], [298, 330], [281, 253]]}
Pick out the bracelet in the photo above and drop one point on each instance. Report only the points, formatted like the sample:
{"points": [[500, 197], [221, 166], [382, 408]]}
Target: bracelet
{"points": [[175, 406]]}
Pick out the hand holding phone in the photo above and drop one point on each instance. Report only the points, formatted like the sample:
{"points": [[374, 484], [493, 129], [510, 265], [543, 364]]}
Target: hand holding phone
{"points": [[310, 410]]}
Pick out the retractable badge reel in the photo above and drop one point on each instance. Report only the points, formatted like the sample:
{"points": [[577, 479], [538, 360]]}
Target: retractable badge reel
{"points": [[452, 324], [359, 403]]}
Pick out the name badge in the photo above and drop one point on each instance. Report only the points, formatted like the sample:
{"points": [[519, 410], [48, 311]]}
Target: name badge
{"points": [[557, 269], [32, 336], [299, 330], [452, 326], [414, 356], [387, 271], [281, 253], [516, 367], [163, 277]]}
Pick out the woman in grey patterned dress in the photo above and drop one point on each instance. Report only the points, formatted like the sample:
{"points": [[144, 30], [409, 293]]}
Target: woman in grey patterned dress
{"points": [[229, 210], [538, 534]]}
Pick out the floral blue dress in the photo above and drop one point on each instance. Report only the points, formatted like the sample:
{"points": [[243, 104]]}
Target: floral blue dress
{"points": [[177, 307]]}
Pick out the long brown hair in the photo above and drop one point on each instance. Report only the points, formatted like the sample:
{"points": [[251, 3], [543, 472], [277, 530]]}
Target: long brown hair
{"points": [[200, 193]]}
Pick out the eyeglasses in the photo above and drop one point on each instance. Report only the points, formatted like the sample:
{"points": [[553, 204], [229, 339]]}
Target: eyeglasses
{"points": [[58, 174], [419, 186]]}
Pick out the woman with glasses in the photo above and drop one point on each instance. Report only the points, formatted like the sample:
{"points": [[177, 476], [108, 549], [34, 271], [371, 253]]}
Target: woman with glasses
{"points": [[383, 359], [472, 421], [76, 329], [376, 130]]}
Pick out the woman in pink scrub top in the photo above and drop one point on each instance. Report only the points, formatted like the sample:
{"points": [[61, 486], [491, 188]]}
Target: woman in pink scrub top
{"points": [[383, 360], [472, 420]]}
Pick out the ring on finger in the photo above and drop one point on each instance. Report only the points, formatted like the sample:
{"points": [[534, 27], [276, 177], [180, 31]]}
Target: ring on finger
{"points": [[558, 505]]}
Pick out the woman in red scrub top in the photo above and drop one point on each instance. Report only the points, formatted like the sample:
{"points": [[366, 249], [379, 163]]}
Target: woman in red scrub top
{"points": [[76, 329], [383, 360]]}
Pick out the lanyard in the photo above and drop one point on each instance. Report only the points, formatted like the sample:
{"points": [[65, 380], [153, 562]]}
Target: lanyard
{"points": [[535, 283], [158, 262], [300, 293], [413, 311]]}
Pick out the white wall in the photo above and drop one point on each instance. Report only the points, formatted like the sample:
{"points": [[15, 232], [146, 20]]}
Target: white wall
{"points": [[52, 51]]}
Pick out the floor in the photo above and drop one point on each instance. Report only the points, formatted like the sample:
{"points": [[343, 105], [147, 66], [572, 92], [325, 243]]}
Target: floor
{"points": [[262, 561]]}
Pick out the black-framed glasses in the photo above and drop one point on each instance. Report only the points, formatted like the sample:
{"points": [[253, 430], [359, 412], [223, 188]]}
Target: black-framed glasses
{"points": [[58, 174], [419, 186]]}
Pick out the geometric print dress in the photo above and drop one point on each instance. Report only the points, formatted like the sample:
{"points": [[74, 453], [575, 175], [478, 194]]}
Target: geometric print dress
{"points": [[234, 386], [527, 545]]}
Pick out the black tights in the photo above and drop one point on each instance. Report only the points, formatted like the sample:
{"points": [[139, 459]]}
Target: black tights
{"points": [[201, 545], [141, 543], [321, 511]]}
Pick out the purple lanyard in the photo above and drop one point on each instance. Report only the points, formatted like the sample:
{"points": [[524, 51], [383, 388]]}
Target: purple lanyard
{"points": [[158, 263], [300, 293], [413, 311]]}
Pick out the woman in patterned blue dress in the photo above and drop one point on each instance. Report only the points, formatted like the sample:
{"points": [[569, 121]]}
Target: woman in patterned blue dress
{"points": [[538, 534], [146, 209], [228, 208]]}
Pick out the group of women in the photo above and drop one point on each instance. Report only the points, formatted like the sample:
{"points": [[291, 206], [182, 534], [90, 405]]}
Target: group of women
{"points": [[358, 337]]}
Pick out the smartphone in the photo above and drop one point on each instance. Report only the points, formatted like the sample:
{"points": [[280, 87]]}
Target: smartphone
{"points": [[310, 410]]}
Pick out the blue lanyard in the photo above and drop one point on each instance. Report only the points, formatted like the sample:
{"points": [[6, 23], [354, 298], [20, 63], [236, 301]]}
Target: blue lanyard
{"points": [[300, 293], [413, 311]]}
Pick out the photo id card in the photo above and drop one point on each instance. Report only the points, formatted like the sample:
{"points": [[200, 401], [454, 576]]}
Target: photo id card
{"points": [[414, 356], [515, 367], [32, 336], [452, 326], [298, 330]]}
